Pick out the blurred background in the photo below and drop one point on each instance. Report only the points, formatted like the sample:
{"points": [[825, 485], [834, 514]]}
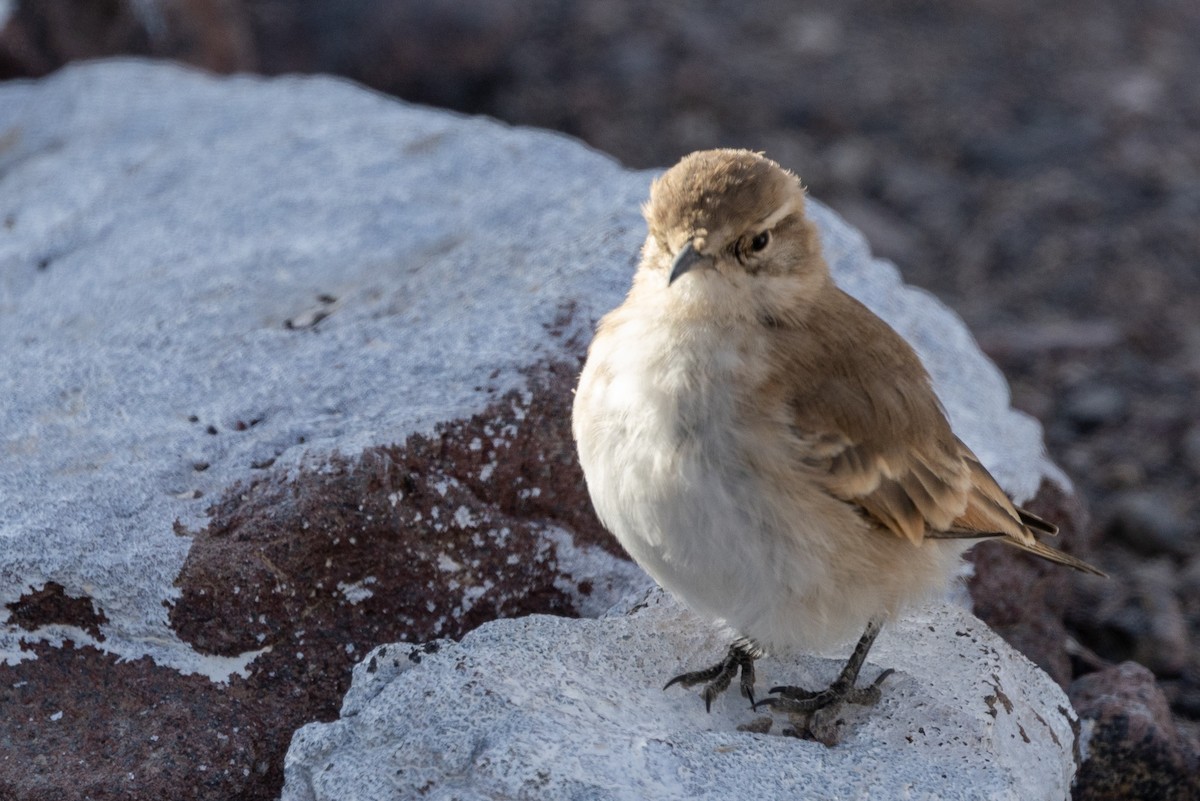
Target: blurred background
{"points": [[1036, 165]]}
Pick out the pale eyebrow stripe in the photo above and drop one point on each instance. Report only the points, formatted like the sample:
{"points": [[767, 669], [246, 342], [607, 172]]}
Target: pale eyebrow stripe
{"points": [[779, 213]]}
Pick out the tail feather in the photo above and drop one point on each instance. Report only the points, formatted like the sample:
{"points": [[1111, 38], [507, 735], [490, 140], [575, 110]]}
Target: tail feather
{"points": [[964, 534], [990, 510], [1055, 555]]}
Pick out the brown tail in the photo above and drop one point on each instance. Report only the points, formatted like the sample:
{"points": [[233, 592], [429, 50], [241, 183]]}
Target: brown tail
{"points": [[1054, 555]]}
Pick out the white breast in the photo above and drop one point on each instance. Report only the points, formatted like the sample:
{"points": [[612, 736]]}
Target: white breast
{"points": [[655, 420]]}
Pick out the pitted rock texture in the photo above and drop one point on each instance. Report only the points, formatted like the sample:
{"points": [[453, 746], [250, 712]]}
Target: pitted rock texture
{"points": [[541, 707]]}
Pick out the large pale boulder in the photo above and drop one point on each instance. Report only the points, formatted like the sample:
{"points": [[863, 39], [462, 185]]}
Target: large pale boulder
{"points": [[544, 707]]}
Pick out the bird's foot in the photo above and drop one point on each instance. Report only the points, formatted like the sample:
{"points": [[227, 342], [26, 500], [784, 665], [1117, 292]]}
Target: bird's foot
{"points": [[842, 691], [817, 715], [717, 678]]}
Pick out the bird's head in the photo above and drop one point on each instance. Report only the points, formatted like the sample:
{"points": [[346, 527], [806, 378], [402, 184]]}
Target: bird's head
{"points": [[728, 234]]}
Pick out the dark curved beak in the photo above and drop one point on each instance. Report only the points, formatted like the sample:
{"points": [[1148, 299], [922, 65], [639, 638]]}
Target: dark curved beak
{"points": [[686, 259]]}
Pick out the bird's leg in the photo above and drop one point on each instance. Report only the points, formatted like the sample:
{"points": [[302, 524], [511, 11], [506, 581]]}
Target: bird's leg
{"points": [[797, 699], [716, 679]]}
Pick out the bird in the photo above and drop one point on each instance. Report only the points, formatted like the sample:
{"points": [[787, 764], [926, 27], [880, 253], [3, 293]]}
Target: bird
{"points": [[768, 449]]}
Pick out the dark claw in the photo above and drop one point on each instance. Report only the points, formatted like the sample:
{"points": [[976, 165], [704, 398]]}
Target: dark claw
{"points": [[768, 702], [697, 676]]}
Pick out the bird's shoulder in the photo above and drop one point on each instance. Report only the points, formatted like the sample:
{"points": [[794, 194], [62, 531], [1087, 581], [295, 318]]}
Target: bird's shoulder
{"points": [[844, 369]]}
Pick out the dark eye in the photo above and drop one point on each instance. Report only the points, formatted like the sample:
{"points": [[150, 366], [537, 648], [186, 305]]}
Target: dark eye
{"points": [[759, 242]]}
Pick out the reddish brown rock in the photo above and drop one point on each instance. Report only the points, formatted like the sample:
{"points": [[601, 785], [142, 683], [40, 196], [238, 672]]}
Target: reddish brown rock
{"points": [[414, 542], [1134, 750], [51, 604], [81, 725]]}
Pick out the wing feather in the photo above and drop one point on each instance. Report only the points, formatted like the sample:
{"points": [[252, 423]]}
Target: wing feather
{"points": [[883, 444]]}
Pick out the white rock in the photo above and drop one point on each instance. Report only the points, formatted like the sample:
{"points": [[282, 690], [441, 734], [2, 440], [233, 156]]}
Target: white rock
{"points": [[546, 707]]}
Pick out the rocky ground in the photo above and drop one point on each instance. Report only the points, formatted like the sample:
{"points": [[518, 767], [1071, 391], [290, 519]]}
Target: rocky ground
{"points": [[1036, 166]]}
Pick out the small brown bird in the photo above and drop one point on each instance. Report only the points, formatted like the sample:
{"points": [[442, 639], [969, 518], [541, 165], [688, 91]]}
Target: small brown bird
{"points": [[763, 445]]}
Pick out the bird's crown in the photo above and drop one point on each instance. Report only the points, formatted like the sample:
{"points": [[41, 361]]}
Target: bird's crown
{"points": [[717, 195]]}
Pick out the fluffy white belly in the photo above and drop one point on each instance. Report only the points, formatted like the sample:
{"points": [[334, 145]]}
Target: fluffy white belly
{"points": [[674, 451]]}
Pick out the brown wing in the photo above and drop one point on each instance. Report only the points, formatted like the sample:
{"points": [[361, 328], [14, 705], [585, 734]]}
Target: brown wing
{"points": [[902, 491], [869, 424]]}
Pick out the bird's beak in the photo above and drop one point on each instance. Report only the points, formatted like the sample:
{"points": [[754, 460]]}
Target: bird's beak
{"points": [[687, 258]]}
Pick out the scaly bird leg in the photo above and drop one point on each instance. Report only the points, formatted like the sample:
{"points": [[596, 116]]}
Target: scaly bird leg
{"points": [[716, 679]]}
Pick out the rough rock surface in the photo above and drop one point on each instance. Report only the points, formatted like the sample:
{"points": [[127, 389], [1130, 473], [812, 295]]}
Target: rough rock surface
{"points": [[543, 707], [289, 367]]}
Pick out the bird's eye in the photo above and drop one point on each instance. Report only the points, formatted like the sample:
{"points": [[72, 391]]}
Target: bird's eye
{"points": [[759, 242]]}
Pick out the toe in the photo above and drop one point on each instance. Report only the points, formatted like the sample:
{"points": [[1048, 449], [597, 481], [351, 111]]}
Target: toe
{"points": [[795, 693]]}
